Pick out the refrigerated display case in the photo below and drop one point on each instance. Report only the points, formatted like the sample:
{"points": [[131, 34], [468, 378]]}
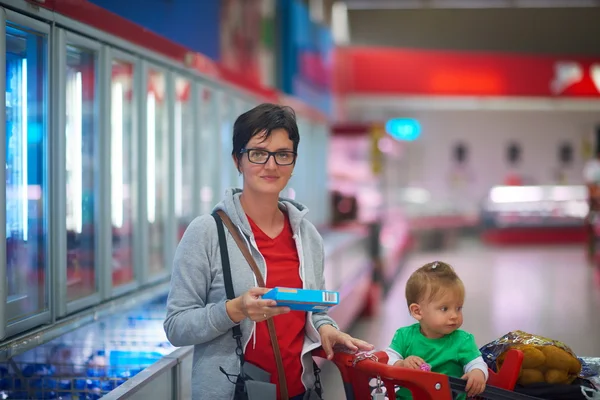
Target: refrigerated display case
{"points": [[540, 214], [89, 362], [81, 174], [25, 174], [97, 119], [348, 269], [158, 121], [123, 158], [185, 147]]}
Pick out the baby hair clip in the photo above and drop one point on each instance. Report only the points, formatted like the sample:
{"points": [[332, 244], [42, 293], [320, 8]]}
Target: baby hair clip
{"points": [[434, 266]]}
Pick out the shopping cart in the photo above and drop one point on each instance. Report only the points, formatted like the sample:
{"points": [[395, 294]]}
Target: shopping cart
{"points": [[367, 376]]}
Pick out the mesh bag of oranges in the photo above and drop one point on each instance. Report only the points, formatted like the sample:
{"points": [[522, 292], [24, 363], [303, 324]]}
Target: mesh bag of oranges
{"points": [[544, 360]]}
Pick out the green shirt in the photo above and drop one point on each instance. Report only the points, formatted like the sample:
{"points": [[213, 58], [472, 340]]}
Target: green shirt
{"points": [[447, 355]]}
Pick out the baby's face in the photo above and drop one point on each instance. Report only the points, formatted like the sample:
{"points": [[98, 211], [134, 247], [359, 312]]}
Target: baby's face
{"points": [[443, 315]]}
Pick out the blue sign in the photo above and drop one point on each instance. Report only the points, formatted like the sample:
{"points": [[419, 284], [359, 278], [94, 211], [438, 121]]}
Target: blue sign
{"points": [[403, 129]]}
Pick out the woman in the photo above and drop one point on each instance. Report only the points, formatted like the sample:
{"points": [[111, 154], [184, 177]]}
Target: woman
{"points": [[287, 249]]}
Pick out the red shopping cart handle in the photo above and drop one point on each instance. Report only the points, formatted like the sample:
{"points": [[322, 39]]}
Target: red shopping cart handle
{"points": [[423, 385], [356, 377]]}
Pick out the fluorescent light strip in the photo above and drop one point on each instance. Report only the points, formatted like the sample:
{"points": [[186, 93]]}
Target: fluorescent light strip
{"points": [[24, 159], [179, 156], [117, 155], [77, 153], [68, 152], [151, 161], [340, 28]]}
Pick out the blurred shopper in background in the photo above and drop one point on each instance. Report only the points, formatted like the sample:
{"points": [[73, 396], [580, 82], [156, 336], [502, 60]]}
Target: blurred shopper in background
{"points": [[591, 177]]}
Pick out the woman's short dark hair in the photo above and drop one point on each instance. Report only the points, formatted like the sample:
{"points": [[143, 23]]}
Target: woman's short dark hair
{"points": [[263, 119]]}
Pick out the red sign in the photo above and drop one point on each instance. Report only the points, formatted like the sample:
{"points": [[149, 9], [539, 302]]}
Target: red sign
{"points": [[423, 72]]}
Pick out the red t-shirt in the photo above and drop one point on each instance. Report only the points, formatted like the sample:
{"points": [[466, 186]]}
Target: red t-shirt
{"points": [[283, 269]]}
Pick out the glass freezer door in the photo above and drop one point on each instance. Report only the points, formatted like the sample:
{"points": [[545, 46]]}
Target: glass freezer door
{"points": [[26, 173], [123, 158], [81, 171], [157, 168]]}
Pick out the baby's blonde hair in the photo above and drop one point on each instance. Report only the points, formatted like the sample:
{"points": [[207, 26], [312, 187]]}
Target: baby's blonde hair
{"points": [[431, 280]]}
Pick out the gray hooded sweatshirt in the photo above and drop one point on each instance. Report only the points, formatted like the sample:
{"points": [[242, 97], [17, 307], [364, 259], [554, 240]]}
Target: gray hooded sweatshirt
{"points": [[196, 313]]}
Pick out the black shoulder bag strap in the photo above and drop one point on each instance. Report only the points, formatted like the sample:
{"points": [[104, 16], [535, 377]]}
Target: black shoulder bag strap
{"points": [[237, 332]]}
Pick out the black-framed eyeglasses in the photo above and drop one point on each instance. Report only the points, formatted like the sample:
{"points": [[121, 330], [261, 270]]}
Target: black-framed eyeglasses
{"points": [[261, 156]]}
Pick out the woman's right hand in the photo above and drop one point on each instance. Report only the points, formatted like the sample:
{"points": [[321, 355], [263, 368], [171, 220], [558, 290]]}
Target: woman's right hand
{"points": [[251, 305]]}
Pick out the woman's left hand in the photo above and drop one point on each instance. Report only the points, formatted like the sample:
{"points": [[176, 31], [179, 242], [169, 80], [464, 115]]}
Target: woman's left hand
{"points": [[330, 336]]}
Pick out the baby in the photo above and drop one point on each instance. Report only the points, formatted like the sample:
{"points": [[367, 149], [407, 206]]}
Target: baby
{"points": [[435, 296]]}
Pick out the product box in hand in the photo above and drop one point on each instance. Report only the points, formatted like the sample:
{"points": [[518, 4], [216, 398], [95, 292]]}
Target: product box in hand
{"points": [[303, 299]]}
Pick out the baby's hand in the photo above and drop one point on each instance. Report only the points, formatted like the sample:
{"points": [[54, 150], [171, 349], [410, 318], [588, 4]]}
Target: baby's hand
{"points": [[413, 362], [475, 382]]}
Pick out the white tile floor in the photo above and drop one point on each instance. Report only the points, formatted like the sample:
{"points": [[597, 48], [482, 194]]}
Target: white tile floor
{"points": [[546, 290]]}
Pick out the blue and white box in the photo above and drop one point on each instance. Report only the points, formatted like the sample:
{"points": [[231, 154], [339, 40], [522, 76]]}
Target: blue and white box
{"points": [[303, 299]]}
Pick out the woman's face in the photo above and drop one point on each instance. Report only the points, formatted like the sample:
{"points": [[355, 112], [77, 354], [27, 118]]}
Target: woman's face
{"points": [[269, 178]]}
